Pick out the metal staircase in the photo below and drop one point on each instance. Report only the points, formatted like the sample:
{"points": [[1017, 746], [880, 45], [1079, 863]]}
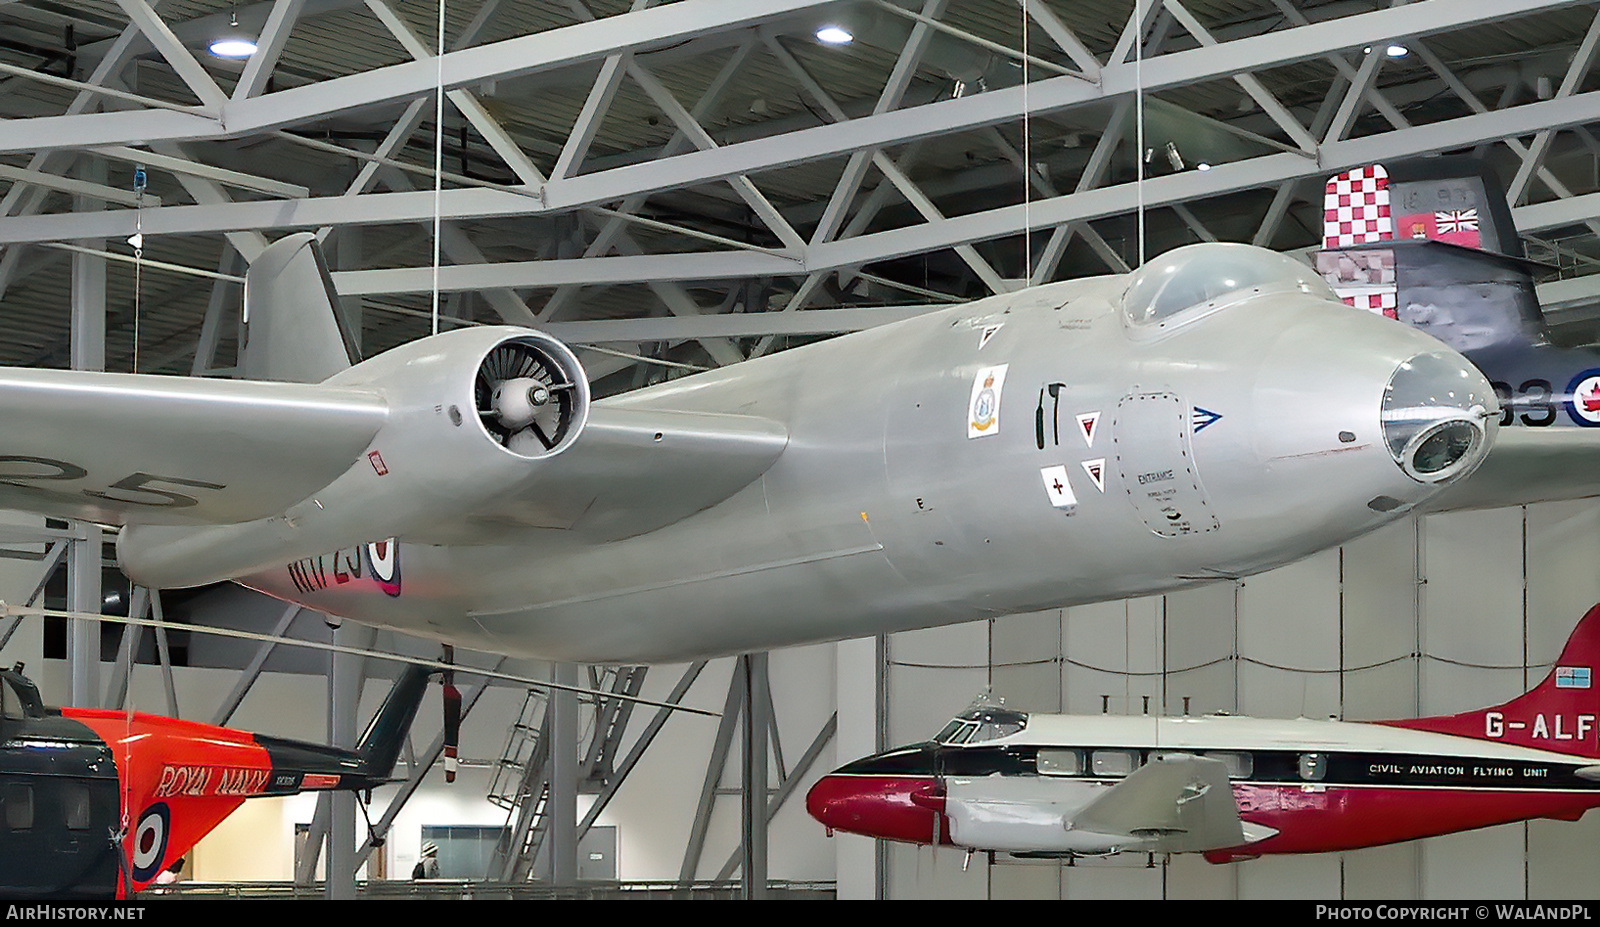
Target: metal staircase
{"points": [[521, 782]]}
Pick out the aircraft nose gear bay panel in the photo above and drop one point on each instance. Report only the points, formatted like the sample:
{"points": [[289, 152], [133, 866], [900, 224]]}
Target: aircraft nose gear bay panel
{"points": [[1151, 440]]}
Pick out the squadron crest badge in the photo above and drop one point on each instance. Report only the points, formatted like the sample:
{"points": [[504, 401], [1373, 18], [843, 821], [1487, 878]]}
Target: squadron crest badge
{"points": [[983, 407]]}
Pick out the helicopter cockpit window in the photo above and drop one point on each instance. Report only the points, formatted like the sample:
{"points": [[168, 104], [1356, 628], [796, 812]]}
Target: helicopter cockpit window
{"points": [[1209, 276], [16, 806], [75, 805], [10, 708]]}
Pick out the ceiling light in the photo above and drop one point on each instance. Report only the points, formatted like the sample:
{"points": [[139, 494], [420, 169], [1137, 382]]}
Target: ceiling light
{"points": [[233, 47], [1397, 51], [834, 35], [1202, 166], [232, 43]]}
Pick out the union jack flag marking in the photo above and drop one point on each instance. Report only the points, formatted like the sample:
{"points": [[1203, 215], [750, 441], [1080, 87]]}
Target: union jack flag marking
{"points": [[1456, 220]]}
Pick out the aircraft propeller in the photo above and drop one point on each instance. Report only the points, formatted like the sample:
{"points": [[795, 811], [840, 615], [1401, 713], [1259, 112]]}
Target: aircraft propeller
{"points": [[452, 717]]}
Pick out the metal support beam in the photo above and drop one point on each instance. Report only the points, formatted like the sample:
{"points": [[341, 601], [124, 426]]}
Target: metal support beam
{"points": [[269, 47], [640, 746], [183, 63], [1173, 69], [561, 841], [790, 784], [753, 794], [714, 767], [253, 671], [1576, 71], [88, 352], [344, 699], [127, 652], [54, 553]]}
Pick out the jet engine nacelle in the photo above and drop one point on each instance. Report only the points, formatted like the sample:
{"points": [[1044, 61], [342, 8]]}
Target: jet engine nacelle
{"points": [[470, 415]]}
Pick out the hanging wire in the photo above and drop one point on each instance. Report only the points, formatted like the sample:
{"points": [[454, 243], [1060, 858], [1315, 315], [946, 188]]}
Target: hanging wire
{"points": [[438, 162], [140, 181], [1138, 116], [1027, 157]]}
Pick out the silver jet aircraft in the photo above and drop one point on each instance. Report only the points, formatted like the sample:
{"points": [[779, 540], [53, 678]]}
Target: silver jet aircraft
{"points": [[1214, 414]]}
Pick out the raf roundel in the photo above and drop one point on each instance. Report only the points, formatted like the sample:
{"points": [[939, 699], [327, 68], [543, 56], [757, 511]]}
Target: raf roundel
{"points": [[1583, 398], [150, 841]]}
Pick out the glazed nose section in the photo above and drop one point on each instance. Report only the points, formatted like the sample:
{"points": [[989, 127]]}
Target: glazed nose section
{"points": [[1438, 416]]}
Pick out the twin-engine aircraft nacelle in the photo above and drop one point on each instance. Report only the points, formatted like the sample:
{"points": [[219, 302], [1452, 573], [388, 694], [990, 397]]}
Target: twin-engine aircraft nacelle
{"points": [[468, 415], [523, 390]]}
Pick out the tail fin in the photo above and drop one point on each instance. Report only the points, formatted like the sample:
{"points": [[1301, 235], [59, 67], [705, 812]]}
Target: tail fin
{"points": [[295, 329], [380, 746], [1559, 714], [1431, 242]]}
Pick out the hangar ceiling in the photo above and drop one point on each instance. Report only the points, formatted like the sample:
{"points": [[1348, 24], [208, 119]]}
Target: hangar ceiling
{"points": [[698, 182]]}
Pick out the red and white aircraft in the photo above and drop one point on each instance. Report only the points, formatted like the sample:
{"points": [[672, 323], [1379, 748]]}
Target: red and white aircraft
{"points": [[1036, 785]]}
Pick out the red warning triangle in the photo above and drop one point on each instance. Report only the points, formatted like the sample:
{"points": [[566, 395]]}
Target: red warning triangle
{"points": [[1087, 423], [1097, 472]]}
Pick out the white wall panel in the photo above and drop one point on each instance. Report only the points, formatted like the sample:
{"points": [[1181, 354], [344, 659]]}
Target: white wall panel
{"points": [[1315, 876], [1379, 634], [1477, 864], [1113, 651], [1015, 880], [933, 674], [1125, 876], [1388, 872], [924, 872], [1562, 861], [1191, 877], [1289, 640], [1200, 645], [1027, 660], [1563, 575], [1472, 610]]}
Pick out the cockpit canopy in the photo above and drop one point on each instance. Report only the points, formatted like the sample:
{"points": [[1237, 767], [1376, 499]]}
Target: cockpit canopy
{"points": [[980, 724], [1208, 276]]}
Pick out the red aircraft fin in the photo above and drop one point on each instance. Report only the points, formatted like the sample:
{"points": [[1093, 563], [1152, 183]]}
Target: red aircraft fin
{"points": [[1561, 714]]}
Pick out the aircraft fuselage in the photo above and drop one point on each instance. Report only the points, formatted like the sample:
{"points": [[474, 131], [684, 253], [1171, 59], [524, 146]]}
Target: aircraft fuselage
{"points": [[1026, 451], [1300, 786]]}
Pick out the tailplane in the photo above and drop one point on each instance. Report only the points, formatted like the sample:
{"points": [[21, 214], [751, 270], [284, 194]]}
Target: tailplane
{"points": [[1559, 714], [295, 331]]}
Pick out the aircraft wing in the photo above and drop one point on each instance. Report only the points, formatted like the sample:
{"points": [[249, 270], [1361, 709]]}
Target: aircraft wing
{"points": [[631, 471], [1528, 465], [1183, 803], [123, 448]]}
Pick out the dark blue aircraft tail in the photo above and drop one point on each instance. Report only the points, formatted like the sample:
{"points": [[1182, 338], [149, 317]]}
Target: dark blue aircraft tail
{"points": [[1432, 244]]}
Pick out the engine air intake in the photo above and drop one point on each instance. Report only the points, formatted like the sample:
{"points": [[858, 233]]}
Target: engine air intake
{"points": [[530, 396]]}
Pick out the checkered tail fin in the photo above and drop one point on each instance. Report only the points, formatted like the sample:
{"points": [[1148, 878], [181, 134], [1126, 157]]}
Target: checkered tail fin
{"points": [[1431, 243]]}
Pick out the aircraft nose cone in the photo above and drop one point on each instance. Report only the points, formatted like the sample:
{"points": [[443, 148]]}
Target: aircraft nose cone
{"points": [[888, 807], [1439, 415]]}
